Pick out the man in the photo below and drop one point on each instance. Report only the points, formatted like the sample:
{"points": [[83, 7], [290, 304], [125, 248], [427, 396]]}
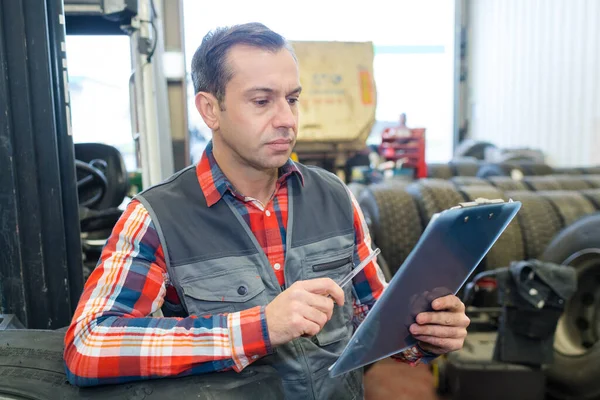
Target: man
{"points": [[241, 251]]}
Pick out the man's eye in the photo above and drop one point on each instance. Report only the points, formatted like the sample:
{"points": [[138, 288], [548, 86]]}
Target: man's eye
{"points": [[293, 100], [261, 103]]}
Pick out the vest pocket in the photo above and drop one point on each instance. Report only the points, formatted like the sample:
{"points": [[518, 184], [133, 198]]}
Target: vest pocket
{"points": [[227, 291], [335, 266]]}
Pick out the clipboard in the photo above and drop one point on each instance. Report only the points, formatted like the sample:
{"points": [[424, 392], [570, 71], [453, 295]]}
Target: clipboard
{"points": [[452, 245]]}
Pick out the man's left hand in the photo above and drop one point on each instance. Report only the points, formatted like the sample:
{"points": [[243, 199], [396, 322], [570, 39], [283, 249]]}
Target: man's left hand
{"points": [[443, 330]]}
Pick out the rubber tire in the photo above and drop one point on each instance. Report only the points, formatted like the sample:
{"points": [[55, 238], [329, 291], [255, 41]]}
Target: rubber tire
{"points": [[509, 246], [501, 169], [385, 268], [591, 170], [539, 183], [575, 377], [539, 221], [506, 183], [573, 182], [433, 196], [439, 171], [567, 171], [537, 169], [395, 219], [593, 180], [461, 181], [570, 206], [33, 360], [593, 195], [464, 167], [472, 148]]}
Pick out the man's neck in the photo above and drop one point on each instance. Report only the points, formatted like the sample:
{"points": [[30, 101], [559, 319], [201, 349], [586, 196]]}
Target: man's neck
{"points": [[248, 181]]}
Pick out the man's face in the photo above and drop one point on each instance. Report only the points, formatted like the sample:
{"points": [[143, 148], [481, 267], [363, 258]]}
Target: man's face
{"points": [[259, 120]]}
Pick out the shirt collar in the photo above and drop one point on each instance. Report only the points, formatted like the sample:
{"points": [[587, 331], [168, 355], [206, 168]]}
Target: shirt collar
{"points": [[214, 183]]}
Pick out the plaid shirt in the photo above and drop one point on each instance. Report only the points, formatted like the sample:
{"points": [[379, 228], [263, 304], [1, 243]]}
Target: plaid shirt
{"points": [[114, 339]]}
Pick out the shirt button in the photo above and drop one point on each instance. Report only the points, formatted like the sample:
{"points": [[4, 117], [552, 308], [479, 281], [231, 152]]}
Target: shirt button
{"points": [[242, 290], [277, 267], [254, 357], [268, 213]]}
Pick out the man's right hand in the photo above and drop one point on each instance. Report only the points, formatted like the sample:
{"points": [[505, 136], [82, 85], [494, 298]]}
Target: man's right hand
{"points": [[302, 309]]}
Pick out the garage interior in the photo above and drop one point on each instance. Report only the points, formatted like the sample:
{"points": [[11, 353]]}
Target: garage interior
{"points": [[417, 112]]}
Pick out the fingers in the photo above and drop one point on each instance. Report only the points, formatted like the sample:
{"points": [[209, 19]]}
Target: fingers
{"points": [[313, 316], [438, 331], [440, 345], [325, 286], [448, 303], [321, 303], [443, 318]]}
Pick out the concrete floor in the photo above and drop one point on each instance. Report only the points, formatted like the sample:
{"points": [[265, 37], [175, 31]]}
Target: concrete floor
{"points": [[389, 379]]}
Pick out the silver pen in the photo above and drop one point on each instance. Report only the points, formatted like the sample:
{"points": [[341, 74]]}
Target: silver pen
{"points": [[348, 278]]}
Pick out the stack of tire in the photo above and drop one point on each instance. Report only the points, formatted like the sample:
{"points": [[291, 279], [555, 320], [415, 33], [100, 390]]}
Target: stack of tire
{"points": [[559, 222]]}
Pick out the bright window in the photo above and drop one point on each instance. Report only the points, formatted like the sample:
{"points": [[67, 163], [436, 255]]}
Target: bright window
{"points": [[99, 68]]}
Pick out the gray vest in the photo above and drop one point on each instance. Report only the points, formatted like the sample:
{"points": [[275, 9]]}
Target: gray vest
{"points": [[214, 260]]}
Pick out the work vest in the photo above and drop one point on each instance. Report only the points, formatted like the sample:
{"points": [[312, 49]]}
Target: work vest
{"points": [[217, 266]]}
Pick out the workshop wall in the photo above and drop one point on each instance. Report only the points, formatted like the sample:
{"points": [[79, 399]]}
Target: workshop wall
{"points": [[534, 76]]}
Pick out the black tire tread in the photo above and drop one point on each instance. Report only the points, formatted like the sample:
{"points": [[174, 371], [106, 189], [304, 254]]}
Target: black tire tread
{"points": [[570, 206], [593, 180], [433, 196], [464, 167], [507, 183], [395, 220], [439, 171], [574, 377], [539, 221], [460, 181], [593, 195], [539, 183], [573, 182]]}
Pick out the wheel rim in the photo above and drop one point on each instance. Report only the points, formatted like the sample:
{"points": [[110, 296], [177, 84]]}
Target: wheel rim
{"points": [[578, 329]]}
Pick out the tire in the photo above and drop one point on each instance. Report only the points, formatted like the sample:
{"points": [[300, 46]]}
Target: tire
{"points": [[464, 167], [506, 183], [591, 170], [439, 171], [385, 268], [540, 183], [472, 148], [509, 246], [502, 169], [567, 171], [574, 372], [461, 181], [593, 195], [539, 221], [572, 182], [433, 196], [537, 169], [395, 219], [31, 363], [593, 180], [571, 206]]}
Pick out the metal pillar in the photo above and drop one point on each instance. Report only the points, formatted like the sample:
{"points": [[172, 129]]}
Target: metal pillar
{"points": [[40, 249]]}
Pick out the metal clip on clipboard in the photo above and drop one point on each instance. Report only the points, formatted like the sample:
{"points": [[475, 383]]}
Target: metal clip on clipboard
{"points": [[479, 202]]}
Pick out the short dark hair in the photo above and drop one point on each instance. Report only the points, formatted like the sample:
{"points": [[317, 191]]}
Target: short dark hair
{"points": [[210, 72]]}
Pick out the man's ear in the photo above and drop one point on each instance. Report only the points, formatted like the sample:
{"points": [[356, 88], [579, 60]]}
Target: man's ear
{"points": [[208, 107]]}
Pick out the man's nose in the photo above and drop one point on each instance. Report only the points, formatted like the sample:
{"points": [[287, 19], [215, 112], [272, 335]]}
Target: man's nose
{"points": [[285, 116]]}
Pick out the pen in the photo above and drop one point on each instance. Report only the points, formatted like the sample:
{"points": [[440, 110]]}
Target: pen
{"points": [[360, 267]]}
